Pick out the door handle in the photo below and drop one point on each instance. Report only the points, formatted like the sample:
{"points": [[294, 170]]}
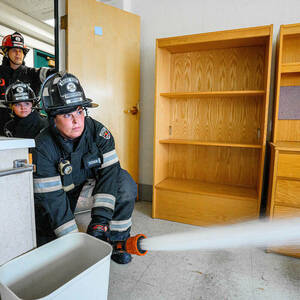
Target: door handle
{"points": [[133, 110]]}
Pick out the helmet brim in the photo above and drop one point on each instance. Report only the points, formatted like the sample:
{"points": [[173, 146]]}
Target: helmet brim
{"points": [[25, 50], [65, 110], [91, 104]]}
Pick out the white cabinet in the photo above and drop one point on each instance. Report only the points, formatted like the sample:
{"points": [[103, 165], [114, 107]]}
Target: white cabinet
{"points": [[17, 222]]}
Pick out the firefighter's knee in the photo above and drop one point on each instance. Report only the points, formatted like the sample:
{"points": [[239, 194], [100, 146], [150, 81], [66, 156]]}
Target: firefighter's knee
{"points": [[127, 186]]}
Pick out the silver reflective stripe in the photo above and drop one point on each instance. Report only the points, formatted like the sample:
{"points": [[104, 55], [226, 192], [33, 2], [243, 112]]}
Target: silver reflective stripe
{"points": [[43, 74], [66, 228], [109, 159], [104, 200], [86, 200], [120, 225], [46, 185], [87, 189]]}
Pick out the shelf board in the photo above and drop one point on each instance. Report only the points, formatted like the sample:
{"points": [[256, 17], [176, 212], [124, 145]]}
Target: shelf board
{"points": [[287, 146], [217, 40], [290, 68], [204, 188], [214, 94], [214, 144]]}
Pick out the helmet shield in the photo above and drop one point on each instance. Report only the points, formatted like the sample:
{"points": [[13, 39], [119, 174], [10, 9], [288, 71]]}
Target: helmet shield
{"points": [[14, 40], [19, 92], [62, 93]]}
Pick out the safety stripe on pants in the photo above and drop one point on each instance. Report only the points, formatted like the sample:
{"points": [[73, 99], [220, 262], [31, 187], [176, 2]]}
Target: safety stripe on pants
{"points": [[109, 159], [46, 185], [120, 225], [66, 228], [104, 200]]}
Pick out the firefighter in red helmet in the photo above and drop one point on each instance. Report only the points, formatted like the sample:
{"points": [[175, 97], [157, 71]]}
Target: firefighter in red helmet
{"points": [[14, 49], [13, 68]]}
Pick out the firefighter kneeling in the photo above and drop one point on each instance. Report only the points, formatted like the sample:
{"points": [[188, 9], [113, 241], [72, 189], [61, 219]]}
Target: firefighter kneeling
{"points": [[74, 154]]}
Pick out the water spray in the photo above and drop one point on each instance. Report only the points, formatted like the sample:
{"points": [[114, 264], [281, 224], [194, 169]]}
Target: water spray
{"points": [[259, 233]]}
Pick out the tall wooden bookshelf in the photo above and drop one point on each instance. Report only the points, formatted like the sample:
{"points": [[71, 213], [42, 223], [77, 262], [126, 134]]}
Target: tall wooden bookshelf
{"points": [[284, 180], [211, 105]]}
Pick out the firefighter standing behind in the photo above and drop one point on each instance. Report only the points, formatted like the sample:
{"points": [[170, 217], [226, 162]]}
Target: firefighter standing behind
{"points": [[71, 153], [26, 122], [13, 68]]}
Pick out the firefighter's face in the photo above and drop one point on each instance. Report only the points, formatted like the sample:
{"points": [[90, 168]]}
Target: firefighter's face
{"points": [[22, 109], [16, 56], [70, 125]]}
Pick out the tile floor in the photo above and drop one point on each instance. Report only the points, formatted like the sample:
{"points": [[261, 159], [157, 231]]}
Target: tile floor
{"points": [[192, 275]]}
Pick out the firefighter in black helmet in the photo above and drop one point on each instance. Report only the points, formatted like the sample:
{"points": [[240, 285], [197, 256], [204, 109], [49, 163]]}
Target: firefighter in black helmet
{"points": [[75, 158], [13, 68], [26, 122]]}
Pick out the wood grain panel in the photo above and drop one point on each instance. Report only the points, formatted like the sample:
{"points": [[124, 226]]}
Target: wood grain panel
{"points": [[161, 116], [286, 212], [290, 79], [287, 146], [216, 119], [214, 94], [290, 68], [290, 48], [201, 143], [288, 192], [272, 180], [216, 123], [204, 188], [233, 166], [203, 210], [218, 70], [289, 165], [288, 130], [220, 39]]}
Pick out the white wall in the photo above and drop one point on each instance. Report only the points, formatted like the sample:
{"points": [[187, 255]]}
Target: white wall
{"points": [[19, 21], [164, 18]]}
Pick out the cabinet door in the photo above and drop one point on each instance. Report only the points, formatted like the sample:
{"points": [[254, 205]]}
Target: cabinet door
{"points": [[287, 192], [289, 165], [103, 51], [17, 222], [285, 212]]}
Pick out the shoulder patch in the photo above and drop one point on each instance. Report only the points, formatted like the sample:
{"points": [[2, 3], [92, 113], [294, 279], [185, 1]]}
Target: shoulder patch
{"points": [[105, 133]]}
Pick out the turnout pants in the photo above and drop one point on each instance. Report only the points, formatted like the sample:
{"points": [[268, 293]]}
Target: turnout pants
{"points": [[81, 200]]}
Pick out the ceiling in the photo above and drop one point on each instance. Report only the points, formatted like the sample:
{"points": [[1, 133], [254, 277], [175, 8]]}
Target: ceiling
{"points": [[38, 9]]}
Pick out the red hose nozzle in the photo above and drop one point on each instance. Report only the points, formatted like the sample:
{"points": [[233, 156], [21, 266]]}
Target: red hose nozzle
{"points": [[132, 245]]}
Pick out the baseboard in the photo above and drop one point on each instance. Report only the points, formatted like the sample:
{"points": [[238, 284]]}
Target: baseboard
{"points": [[145, 192]]}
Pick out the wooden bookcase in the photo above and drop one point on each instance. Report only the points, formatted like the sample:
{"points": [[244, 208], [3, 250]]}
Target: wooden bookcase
{"points": [[211, 105], [284, 180]]}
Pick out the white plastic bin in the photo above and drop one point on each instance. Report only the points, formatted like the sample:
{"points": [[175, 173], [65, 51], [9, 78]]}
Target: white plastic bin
{"points": [[75, 266]]}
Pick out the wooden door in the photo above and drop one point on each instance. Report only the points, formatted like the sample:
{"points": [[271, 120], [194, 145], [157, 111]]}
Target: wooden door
{"points": [[103, 51]]}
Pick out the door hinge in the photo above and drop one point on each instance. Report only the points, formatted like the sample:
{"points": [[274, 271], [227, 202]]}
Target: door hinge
{"points": [[64, 22]]}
